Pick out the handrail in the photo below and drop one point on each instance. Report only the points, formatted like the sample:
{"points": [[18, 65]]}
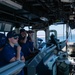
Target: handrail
{"points": [[8, 66], [12, 68]]}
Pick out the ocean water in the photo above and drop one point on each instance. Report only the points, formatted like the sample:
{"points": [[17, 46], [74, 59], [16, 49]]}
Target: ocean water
{"points": [[70, 39], [61, 38]]}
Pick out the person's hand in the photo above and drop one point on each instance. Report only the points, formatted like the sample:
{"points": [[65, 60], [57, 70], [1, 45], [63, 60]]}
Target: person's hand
{"points": [[18, 52], [19, 48]]}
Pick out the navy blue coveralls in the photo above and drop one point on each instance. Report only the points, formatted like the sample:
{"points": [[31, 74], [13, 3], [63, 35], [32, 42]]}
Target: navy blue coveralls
{"points": [[7, 54]]}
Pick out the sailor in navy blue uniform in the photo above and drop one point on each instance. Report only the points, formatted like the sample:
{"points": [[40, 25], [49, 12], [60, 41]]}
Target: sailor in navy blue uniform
{"points": [[30, 40], [22, 36], [11, 52], [2, 44], [31, 43], [23, 43], [27, 46]]}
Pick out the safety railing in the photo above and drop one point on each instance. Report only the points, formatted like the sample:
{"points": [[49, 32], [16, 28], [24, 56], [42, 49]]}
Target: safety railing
{"points": [[12, 68]]}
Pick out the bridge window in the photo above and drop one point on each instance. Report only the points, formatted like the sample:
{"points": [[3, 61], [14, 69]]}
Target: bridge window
{"points": [[61, 31], [40, 38], [71, 35], [41, 35]]}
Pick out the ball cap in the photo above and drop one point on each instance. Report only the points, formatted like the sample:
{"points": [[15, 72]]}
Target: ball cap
{"points": [[11, 34]]}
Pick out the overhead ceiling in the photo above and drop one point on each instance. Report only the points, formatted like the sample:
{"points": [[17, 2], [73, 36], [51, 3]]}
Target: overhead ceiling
{"points": [[33, 10]]}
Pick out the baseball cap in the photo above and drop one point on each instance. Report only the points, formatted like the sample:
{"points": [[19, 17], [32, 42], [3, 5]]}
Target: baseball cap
{"points": [[12, 34], [2, 40]]}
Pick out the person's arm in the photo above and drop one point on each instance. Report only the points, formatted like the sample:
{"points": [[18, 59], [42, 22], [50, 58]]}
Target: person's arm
{"points": [[25, 38], [18, 53], [17, 56]]}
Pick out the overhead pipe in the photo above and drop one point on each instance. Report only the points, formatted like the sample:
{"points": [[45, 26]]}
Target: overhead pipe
{"points": [[12, 15]]}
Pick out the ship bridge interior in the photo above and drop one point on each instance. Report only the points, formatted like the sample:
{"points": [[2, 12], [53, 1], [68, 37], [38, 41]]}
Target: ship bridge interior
{"points": [[37, 13]]}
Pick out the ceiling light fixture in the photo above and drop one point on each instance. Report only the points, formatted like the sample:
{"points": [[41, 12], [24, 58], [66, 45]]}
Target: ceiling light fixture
{"points": [[11, 4], [43, 19], [68, 1]]}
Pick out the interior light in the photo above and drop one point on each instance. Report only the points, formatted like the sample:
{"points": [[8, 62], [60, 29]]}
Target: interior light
{"points": [[69, 1], [11, 4], [43, 18]]}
